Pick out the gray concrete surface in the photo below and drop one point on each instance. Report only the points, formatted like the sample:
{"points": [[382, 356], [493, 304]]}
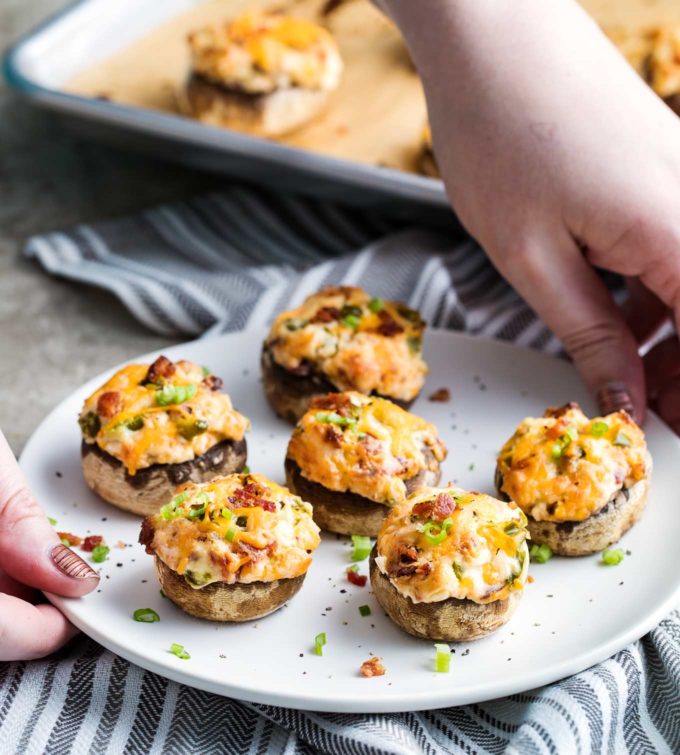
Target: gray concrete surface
{"points": [[54, 334]]}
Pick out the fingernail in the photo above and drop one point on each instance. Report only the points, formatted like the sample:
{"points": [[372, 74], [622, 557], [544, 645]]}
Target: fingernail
{"points": [[71, 564], [614, 396]]}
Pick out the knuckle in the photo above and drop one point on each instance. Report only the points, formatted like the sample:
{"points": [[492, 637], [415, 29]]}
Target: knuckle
{"points": [[18, 507], [589, 341]]}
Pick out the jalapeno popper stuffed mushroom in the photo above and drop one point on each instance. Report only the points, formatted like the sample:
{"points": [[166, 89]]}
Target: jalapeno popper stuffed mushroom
{"points": [[233, 549], [581, 482], [450, 565], [354, 456], [263, 73], [152, 427], [342, 339]]}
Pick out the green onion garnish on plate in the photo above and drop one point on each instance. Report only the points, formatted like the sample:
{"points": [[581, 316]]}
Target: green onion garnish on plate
{"points": [[365, 610], [179, 651], [100, 553], [361, 547], [146, 615], [319, 642], [442, 658], [540, 553], [51, 521], [612, 556]]}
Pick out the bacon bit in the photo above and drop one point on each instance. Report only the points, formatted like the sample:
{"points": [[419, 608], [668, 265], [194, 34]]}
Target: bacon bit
{"points": [[91, 542], [443, 506], [332, 435], [327, 314], [337, 402], [443, 395], [405, 571], [109, 404], [372, 667], [251, 495], [146, 535], [213, 382], [161, 369], [356, 579], [388, 325], [530, 579], [423, 509], [408, 554], [71, 539], [120, 544]]}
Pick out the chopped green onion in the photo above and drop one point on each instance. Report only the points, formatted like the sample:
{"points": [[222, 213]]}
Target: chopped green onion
{"points": [[175, 394], [435, 532], [352, 321], [203, 497], [365, 610], [376, 304], [65, 541], [353, 567], [146, 615], [458, 571], [414, 344], [599, 429], [246, 469], [100, 553], [442, 658], [333, 418], [197, 513], [612, 557], [361, 547], [512, 528], [205, 371], [51, 521], [556, 450], [540, 553], [180, 498], [136, 423], [622, 439], [319, 642], [231, 534], [90, 424], [179, 651], [226, 513], [169, 512], [571, 432]]}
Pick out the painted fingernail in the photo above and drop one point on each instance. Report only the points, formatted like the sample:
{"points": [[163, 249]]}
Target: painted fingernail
{"points": [[71, 564], [614, 396]]}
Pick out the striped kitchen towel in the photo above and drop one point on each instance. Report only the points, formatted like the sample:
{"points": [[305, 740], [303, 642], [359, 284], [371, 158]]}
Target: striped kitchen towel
{"points": [[231, 260]]}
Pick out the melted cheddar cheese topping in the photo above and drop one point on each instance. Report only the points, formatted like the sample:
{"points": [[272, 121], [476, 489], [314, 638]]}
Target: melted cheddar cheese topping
{"points": [[565, 467], [240, 528], [443, 543], [366, 445], [162, 413], [259, 53], [358, 342]]}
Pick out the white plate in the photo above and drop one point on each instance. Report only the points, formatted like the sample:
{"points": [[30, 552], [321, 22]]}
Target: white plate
{"points": [[575, 614]]}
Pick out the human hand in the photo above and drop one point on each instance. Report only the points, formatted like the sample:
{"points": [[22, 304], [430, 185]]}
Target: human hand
{"points": [[31, 556], [558, 159]]}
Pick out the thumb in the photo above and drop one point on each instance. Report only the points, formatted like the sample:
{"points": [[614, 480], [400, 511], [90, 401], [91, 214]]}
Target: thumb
{"points": [[30, 550], [567, 293]]}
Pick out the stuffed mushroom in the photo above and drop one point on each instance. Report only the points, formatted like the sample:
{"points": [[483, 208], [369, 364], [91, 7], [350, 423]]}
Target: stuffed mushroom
{"points": [[581, 482], [233, 549], [342, 339], [450, 565], [153, 427], [353, 457], [262, 73]]}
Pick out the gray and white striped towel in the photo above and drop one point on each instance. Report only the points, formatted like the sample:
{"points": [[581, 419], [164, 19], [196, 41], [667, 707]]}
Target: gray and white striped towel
{"points": [[231, 260]]}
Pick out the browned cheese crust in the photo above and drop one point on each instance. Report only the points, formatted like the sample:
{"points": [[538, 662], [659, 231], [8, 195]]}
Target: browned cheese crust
{"points": [[146, 491], [451, 620], [222, 602]]}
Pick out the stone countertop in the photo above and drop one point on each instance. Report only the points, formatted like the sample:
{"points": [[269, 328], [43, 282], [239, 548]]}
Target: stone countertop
{"points": [[55, 334]]}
